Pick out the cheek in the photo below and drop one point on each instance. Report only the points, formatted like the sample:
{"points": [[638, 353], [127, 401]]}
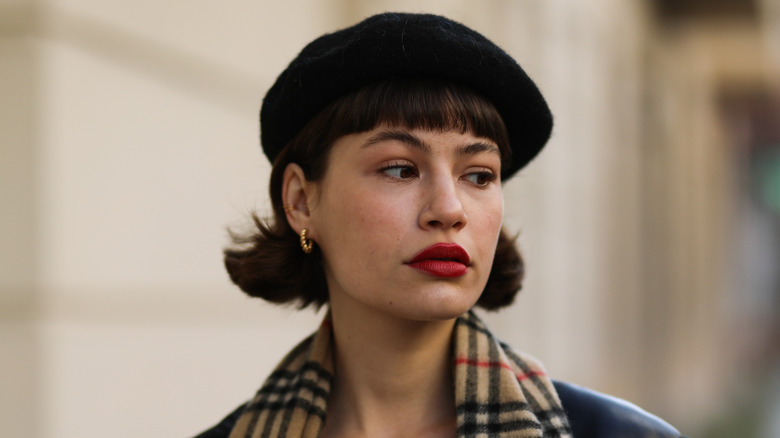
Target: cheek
{"points": [[382, 223], [487, 226], [364, 222]]}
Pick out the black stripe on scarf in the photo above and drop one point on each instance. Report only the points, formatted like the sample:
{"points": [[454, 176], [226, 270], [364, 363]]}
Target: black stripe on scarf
{"points": [[471, 429], [288, 384]]}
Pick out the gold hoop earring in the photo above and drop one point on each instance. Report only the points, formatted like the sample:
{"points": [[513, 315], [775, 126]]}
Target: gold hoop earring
{"points": [[289, 207], [306, 244]]}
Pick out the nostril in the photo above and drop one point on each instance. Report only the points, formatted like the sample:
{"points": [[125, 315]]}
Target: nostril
{"points": [[435, 223]]}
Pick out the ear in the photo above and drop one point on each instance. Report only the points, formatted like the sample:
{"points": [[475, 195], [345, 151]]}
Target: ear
{"points": [[297, 196]]}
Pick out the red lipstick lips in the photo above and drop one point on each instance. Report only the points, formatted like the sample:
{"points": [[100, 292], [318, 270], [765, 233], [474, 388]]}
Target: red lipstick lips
{"points": [[446, 260]]}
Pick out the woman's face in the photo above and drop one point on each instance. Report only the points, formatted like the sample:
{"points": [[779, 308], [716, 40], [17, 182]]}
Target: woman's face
{"points": [[408, 220]]}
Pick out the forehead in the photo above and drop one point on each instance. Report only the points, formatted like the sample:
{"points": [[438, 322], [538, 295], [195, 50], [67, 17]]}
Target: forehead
{"points": [[465, 143], [420, 141]]}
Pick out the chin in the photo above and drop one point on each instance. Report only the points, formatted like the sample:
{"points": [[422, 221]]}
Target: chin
{"points": [[437, 310]]}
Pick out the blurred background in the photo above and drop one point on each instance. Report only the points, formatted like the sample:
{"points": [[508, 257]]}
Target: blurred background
{"points": [[129, 142]]}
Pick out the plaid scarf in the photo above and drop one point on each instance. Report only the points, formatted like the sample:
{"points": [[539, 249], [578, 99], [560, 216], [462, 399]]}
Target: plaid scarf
{"points": [[498, 392]]}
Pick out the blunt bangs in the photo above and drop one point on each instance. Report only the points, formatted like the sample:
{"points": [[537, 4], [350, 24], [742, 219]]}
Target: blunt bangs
{"points": [[419, 104]]}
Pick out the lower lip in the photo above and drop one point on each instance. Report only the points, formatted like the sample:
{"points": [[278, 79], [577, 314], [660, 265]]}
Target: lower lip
{"points": [[441, 268]]}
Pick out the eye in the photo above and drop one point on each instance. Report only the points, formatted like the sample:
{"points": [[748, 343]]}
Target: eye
{"points": [[481, 179], [400, 170]]}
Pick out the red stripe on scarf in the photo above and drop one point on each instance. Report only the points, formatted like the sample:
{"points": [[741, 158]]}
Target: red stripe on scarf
{"points": [[481, 363], [531, 374], [486, 364]]}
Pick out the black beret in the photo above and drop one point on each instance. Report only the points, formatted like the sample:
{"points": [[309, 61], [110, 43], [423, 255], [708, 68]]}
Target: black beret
{"points": [[393, 45]]}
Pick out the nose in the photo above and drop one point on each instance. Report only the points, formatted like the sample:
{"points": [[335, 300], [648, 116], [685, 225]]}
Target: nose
{"points": [[443, 208]]}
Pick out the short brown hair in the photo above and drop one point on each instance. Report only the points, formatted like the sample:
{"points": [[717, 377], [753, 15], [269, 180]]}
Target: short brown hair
{"points": [[268, 263]]}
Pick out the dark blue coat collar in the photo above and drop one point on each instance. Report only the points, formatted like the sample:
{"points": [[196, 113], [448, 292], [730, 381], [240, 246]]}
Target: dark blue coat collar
{"points": [[592, 414]]}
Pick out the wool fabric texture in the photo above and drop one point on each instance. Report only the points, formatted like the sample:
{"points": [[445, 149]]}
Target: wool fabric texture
{"points": [[498, 392], [400, 45]]}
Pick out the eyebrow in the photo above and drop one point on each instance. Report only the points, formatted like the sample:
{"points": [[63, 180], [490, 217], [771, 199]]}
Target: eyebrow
{"points": [[415, 142]]}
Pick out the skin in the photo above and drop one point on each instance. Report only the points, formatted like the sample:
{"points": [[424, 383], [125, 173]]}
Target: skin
{"points": [[386, 195]]}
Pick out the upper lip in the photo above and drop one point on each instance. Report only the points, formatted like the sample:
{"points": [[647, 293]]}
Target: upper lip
{"points": [[443, 251]]}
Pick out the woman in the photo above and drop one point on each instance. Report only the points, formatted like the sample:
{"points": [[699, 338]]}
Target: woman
{"points": [[390, 140]]}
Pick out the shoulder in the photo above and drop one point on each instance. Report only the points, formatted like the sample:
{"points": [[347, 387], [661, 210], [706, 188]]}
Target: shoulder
{"points": [[592, 414], [223, 428]]}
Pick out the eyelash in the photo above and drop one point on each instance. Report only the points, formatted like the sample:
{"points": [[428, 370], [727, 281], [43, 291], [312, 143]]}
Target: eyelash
{"points": [[398, 165], [486, 175]]}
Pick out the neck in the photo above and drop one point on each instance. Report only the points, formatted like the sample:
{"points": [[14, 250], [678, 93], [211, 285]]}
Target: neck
{"points": [[393, 376]]}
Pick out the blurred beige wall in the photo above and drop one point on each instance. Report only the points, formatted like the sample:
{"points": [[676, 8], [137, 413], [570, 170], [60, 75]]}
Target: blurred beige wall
{"points": [[130, 141]]}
